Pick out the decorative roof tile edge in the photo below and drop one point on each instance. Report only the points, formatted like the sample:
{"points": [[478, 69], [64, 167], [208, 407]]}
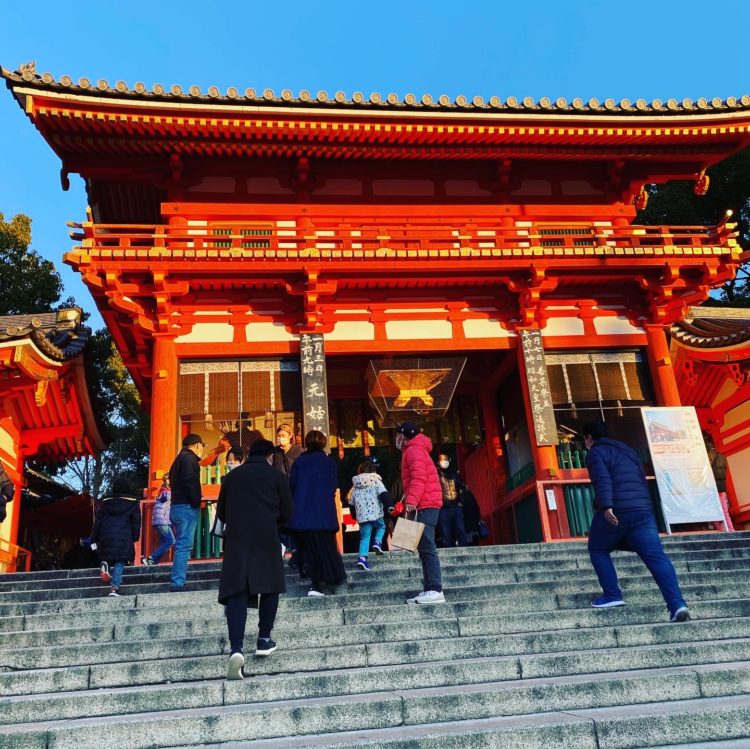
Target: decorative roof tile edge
{"points": [[26, 75], [713, 327], [68, 340]]}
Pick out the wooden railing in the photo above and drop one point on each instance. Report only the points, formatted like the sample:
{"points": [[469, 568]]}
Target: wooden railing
{"points": [[14, 558], [397, 238]]}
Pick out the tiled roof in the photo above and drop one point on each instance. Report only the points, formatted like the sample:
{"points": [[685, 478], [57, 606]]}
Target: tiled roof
{"points": [[58, 335], [26, 75], [713, 327]]}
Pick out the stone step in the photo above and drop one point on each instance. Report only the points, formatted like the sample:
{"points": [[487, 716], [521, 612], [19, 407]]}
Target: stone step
{"points": [[324, 627], [674, 689], [474, 558], [307, 664], [511, 554], [434, 688], [367, 584], [474, 618], [386, 644], [531, 595], [320, 612], [606, 728], [498, 555]]}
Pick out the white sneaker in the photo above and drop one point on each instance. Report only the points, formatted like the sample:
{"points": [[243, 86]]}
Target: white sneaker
{"points": [[430, 596], [414, 599], [234, 669], [315, 594]]}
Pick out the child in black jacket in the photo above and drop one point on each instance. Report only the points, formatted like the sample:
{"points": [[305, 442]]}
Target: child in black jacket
{"points": [[116, 529]]}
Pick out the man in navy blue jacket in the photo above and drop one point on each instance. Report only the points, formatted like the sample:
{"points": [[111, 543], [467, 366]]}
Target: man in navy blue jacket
{"points": [[625, 518]]}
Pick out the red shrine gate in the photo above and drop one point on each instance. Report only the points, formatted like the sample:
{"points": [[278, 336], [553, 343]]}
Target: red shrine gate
{"points": [[223, 228]]}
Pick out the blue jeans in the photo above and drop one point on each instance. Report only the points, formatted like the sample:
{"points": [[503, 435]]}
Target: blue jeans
{"points": [[452, 528], [184, 519], [431, 574], [365, 532], [167, 541], [116, 569], [637, 530]]}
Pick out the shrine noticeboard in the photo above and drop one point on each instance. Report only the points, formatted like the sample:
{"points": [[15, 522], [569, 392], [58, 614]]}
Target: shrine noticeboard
{"points": [[314, 389], [545, 427], [683, 473]]}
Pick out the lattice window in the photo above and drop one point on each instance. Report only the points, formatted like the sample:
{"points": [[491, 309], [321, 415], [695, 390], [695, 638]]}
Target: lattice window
{"points": [[223, 243], [584, 235], [254, 238]]}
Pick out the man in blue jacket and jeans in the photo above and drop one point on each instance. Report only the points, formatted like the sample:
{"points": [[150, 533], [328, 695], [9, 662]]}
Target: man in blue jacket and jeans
{"points": [[185, 482], [625, 519]]}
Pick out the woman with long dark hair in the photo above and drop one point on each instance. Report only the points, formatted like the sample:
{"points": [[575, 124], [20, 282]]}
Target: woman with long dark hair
{"points": [[315, 522]]}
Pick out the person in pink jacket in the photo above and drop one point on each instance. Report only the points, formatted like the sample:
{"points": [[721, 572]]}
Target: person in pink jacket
{"points": [[423, 497]]}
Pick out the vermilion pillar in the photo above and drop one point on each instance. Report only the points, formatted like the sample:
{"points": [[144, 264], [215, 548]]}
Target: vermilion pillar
{"points": [[660, 365], [163, 410]]}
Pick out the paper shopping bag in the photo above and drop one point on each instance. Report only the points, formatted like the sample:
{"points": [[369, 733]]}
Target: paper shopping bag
{"points": [[407, 534]]}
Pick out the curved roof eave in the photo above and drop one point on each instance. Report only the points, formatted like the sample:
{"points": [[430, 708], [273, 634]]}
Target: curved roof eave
{"points": [[26, 77]]}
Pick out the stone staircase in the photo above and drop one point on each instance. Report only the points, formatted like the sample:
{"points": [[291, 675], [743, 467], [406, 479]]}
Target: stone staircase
{"points": [[516, 658]]}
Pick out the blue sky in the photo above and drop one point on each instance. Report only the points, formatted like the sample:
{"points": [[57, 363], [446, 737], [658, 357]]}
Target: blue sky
{"points": [[535, 48]]}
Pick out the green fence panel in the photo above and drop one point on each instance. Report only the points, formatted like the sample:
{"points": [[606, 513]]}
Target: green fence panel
{"points": [[528, 522]]}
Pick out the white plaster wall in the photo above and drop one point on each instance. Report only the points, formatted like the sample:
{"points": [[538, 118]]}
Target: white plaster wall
{"points": [[418, 329], [346, 330], [485, 329], [261, 332], [6, 442], [739, 466], [208, 332], [615, 326], [563, 326]]}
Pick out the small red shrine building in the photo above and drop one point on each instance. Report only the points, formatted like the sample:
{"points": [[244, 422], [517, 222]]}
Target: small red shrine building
{"points": [[228, 233], [711, 351], [45, 411]]}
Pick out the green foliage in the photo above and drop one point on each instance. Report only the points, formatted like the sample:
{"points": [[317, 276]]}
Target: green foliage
{"points": [[675, 203], [28, 282], [124, 424]]}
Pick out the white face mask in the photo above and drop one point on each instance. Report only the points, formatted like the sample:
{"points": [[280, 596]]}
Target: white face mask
{"points": [[444, 464], [231, 465], [283, 438]]}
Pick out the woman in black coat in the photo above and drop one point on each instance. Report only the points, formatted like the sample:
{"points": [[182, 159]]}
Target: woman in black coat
{"points": [[253, 501], [315, 522]]}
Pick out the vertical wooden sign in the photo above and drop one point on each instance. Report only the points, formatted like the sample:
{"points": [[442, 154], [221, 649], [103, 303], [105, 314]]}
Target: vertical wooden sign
{"points": [[314, 388], [545, 428]]}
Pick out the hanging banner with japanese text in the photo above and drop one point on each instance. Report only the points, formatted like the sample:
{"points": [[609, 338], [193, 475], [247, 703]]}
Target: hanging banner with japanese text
{"points": [[314, 389], [683, 473], [545, 427]]}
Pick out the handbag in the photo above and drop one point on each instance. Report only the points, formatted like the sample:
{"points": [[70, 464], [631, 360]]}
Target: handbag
{"points": [[484, 531], [219, 527], [407, 534]]}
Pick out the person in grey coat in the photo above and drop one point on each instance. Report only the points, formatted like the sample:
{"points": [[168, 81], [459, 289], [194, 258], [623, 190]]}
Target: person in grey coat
{"points": [[254, 501]]}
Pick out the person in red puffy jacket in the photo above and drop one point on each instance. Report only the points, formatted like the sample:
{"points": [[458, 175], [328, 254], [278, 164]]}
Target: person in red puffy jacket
{"points": [[423, 496]]}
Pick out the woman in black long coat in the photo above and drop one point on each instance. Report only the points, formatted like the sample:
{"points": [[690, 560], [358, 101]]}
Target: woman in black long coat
{"points": [[253, 501], [315, 523]]}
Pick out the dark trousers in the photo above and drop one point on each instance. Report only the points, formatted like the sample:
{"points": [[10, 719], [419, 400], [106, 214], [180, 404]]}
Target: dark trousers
{"points": [[236, 611], [452, 531], [431, 572], [638, 531]]}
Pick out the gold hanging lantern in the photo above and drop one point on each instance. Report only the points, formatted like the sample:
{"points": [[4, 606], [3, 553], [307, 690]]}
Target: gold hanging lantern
{"points": [[413, 388]]}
